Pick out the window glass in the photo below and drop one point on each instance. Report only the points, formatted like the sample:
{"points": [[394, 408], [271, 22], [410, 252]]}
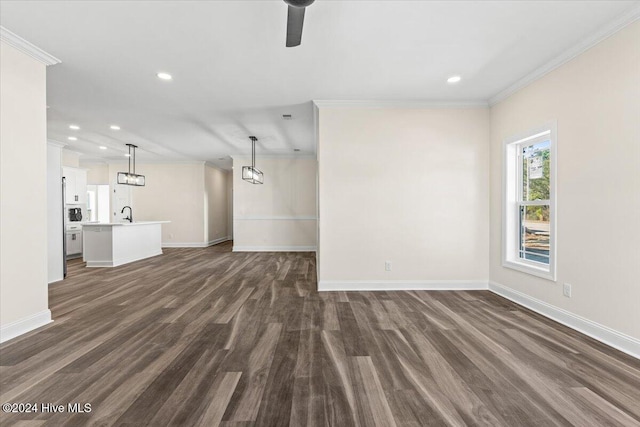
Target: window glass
{"points": [[535, 171], [534, 233]]}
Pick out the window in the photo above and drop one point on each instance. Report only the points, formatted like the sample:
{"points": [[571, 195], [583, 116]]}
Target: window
{"points": [[529, 232]]}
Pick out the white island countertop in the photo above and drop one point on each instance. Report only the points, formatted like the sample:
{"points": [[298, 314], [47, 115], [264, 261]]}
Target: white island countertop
{"points": [[127, 223]]}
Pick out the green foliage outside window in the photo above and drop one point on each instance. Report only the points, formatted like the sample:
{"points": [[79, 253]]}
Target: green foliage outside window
{"points": [[536, 189]]}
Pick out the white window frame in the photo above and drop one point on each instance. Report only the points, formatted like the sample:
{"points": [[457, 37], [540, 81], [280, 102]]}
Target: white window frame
{"points": [[511, 167]]}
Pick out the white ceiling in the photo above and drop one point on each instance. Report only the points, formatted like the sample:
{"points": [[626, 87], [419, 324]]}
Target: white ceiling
{"points": [[233, 76]]}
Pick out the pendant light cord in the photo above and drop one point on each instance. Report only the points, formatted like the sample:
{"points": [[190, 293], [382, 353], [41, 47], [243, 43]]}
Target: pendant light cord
{"points": [[134, 157], [253, 151]]}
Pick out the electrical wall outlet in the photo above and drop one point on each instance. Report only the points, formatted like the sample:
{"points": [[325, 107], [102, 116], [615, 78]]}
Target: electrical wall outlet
{"points": [[387, 266], [566, 290]]}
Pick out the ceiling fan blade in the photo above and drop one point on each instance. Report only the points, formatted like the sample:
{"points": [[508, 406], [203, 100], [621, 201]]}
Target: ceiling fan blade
{"points": [[295, 19]]}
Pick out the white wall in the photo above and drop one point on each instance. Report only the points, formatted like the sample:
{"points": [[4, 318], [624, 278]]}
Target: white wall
{"points": [[97, 173], [279, 215], [408, 186], [173, 192], [55, 227], [595, 99], [23, 191], [70, 158], [217, 204]]}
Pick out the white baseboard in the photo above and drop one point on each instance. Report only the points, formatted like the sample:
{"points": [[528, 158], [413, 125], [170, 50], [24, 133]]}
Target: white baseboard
{"points": [[599, 332], [57, 279], [194, 244], [274, 249], [121, 261], [397, 285], [217, 241], [184, 244], [24, 325], [92, 264]]}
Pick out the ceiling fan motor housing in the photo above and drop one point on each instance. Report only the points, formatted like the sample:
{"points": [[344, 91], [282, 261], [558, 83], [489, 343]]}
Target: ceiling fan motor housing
{"points": [[299, 3]]}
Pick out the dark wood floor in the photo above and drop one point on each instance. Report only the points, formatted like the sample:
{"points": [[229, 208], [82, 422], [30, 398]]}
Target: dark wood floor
{"points": [[208, 337]]}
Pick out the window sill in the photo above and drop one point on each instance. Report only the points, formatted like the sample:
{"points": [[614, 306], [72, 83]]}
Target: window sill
{"points": [[530, 269]]}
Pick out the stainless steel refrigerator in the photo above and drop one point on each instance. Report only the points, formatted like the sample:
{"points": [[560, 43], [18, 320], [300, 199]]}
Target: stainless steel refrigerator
{"points": [[64, 228]]}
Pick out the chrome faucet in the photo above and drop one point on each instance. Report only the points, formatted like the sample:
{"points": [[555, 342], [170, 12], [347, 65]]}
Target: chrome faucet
{"points": [[130, 217]]}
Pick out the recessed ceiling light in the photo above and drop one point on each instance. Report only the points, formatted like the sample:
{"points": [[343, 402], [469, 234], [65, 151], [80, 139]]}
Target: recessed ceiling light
{"points": [[72, 138], [74, 127], [114, 127], [127, 155], [287, 117], [102, 147], [454, 79], [164, 76]]}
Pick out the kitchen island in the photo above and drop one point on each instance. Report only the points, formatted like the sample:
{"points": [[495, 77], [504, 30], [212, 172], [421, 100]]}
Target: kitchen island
{"points": [[116, 243]]}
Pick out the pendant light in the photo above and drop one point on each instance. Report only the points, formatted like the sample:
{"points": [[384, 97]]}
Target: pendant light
{"points": [[250, 173], [130, 178]]}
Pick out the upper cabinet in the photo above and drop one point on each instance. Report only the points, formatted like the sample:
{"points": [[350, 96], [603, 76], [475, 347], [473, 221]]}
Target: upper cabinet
{"points": [[76, 180]]}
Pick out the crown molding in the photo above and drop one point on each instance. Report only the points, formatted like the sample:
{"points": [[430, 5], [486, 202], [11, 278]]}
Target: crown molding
{"points": [[93, 162], [338, 103], [26, 47], [68, 150], [305, 156], [125, 161], [603, 33], [55, 143], [214, 166]]}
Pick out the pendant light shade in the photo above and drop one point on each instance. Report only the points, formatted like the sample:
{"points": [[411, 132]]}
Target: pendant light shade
{"points": [[250, 173], [131, 178]]}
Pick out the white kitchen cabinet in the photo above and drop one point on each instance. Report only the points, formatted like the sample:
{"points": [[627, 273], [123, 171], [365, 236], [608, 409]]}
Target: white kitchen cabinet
{"points": [[76, 180], [74, 243], [81, 185]]}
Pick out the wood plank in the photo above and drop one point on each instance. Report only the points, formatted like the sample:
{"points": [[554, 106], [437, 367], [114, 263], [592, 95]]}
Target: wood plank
{"points": [[275, 407], [222, 392], [245, 403], [373, 407]]}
